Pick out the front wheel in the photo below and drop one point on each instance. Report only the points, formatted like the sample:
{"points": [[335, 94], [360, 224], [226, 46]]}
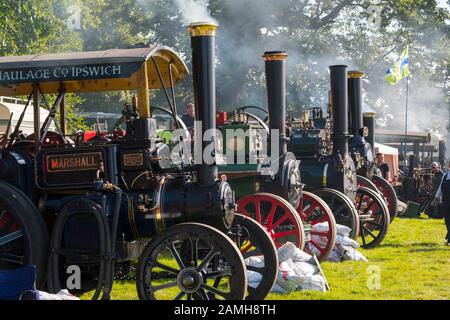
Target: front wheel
{"points": [[277, 215], [389, 195], [315, 212], [191, 261], [260, 255], [374, 217]]}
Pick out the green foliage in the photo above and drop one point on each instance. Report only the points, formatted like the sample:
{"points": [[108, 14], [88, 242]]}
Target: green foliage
{"points": [[315, 34]]}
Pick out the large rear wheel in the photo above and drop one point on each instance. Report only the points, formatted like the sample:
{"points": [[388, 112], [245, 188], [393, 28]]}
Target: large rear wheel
{"points": [[23, 235], [191, 261]]}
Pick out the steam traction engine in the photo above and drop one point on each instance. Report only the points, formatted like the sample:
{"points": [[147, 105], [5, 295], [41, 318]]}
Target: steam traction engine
{"points": [[361, 150], [267, 144], [118, 198], [321, 143]]}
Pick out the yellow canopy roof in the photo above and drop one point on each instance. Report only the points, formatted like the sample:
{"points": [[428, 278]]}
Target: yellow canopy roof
{"points": [[93, 71]]}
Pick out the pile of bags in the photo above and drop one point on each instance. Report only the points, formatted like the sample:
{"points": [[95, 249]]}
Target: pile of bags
{"points": [[345, 247], [297, 271]]}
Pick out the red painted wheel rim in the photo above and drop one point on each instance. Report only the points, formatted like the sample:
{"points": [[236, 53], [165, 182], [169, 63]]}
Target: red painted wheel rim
{"points": [[275, 214], [386, 195], [311, 210]]}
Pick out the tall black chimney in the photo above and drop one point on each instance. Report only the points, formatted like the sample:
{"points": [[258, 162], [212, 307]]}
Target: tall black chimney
{"points": [[204, 77], [369, 123], [275, 63], [442, 152], [339, 105], [355, 102]]}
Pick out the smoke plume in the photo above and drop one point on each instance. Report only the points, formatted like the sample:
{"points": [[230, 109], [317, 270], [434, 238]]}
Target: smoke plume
{"points": [[194, 11]]}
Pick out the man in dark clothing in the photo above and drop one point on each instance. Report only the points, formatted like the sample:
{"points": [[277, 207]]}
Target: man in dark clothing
{"points": [[384, 168], [443, 195], [189, 117], [437, 173]]}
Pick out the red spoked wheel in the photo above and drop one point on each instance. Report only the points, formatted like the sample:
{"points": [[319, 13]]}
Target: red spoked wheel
{"points": [[388, 193], [277, 215], [315, 212]]}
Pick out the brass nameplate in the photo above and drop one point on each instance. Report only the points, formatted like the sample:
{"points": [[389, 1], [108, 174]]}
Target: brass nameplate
{"points": [[133, 159], [73, 162]]}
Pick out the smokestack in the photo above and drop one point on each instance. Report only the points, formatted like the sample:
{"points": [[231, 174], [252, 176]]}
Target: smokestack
{"points": [[275, 66], [339, 104], [355, 102], [442, 150], [369, 123], [204, 77]]}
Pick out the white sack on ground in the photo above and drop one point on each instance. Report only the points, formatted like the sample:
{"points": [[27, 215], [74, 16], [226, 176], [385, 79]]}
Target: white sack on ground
{"points": [[296, 269]]}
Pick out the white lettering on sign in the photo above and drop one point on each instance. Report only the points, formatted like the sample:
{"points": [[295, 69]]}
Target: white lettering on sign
{"points": [[79, 72]]}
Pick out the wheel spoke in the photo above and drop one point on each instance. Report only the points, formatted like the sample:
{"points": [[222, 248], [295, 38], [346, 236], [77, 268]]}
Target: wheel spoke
{"points": [[277, 223], [374, 223], [315, 244], [258, 211], [369, 232], [214, 290], [309, 211], [208, 258], [11, 237], [194, 252], [164, 286], [255, 269], [219, 273], [283, 234], [363, 237], [319, 233], [271, 215], [177, 257], [166, 268], [180, 295], [12, 258]]}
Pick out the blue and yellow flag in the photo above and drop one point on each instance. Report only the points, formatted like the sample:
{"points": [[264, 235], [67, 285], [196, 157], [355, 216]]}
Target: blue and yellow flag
{"points": [[399, 70]]}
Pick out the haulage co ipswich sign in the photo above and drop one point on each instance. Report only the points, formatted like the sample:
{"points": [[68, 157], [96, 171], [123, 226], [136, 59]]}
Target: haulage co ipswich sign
{"points": [[67, 73]]}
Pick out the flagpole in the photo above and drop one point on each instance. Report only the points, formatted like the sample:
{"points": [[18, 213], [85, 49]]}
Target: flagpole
{"points": [[406, 122]]}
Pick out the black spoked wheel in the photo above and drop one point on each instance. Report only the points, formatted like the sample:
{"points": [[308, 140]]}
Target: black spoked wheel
{"points": [[23, 235], [191, 261], [343, 209], [365, 182], [260, 254], [374, 217], [389, 195]]}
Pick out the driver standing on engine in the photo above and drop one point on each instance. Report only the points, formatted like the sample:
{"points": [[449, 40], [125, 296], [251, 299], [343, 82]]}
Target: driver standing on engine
{"points": [[383, 166], [443, 194], [189, 117]]}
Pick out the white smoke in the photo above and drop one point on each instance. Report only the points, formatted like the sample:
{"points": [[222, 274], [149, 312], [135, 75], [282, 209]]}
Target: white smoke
{"points": [[194, 11]]}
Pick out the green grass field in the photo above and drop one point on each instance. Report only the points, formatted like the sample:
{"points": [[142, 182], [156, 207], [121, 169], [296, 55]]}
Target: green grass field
{"points": [[411, 263]]}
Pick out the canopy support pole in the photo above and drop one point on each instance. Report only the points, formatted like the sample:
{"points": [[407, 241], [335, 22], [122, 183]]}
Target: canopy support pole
{"points": [[37, 116], [143, 92], [62, 111]]}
